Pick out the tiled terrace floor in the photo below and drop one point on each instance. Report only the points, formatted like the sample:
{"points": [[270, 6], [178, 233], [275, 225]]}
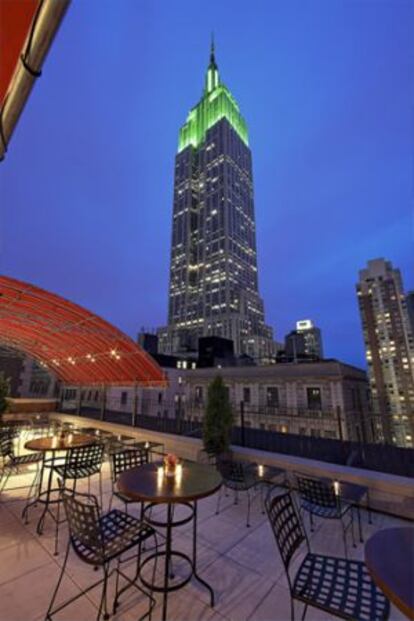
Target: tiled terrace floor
{"points": [[242, 564]]}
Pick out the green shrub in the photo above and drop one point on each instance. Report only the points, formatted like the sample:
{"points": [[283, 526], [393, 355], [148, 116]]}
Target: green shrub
{"points": [[218, 419]]}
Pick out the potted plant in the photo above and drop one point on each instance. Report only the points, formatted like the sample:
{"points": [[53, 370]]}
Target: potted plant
{"points": [[218, 420], [4, 391]]}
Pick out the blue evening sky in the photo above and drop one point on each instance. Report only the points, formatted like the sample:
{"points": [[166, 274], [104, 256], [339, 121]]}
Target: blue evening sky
{"points": [[327, 89]]}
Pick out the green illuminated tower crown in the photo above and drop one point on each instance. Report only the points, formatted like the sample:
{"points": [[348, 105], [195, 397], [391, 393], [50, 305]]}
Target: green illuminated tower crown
{"points": [[216, 103]]}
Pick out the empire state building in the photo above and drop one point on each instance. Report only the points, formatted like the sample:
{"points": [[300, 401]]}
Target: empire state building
{"points": [[213, 271]]}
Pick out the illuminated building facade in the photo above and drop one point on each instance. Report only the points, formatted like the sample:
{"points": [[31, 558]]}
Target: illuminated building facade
{"points": [[213, 273], [389, 347]]}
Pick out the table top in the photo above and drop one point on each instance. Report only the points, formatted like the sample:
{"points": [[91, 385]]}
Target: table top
{"points": [[389, 557], [54, 443], [146, 485]]}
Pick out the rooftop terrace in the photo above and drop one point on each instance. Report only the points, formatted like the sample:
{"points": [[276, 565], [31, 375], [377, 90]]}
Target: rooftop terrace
{"points": [[242, 564]]}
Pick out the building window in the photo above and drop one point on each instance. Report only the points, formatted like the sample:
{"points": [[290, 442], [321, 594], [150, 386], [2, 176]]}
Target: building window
{"points": [[314, 398], [160, 397], [198, 393], [96, 395], [124, 398], [272, 397], [246, 394]]}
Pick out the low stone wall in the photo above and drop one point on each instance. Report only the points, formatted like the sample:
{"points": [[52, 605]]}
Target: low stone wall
{"points": [[388, 493], [31, 406]]}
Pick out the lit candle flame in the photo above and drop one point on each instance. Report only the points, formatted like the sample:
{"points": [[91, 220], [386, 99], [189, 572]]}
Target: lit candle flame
{"points": [[261, 470], [336, 488]]}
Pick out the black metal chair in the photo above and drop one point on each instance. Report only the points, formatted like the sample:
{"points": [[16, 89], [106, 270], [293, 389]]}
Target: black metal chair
{"points": [[318, 498], [239, 477], [337, 586], [120, 462], [81, 462], [98, 540], [11, 463]]}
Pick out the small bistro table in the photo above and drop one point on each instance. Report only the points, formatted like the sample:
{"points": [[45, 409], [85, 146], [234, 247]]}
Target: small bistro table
{"points": [[389, 557], [146, 484], [53, 445]]}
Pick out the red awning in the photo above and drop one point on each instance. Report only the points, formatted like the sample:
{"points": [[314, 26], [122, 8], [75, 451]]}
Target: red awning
{"points": [[15, 21], [78, 346]]}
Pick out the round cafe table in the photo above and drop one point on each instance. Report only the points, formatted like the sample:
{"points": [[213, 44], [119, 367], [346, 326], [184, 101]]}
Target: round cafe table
{"points": [[389, 557], [147, 485], [52, 445]]}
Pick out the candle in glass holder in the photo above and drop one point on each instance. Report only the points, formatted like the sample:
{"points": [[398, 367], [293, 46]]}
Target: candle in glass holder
{"points": [[54, 442], [261, 470], [70, 438], [160, 475], [147, 445], [336, 488]]}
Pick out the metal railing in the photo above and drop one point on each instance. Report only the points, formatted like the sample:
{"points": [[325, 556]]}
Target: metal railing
{"points": [[181, 419]]}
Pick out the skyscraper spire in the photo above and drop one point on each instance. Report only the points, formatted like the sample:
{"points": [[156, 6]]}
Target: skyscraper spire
{"points": [[212, 57], [212, 77]]}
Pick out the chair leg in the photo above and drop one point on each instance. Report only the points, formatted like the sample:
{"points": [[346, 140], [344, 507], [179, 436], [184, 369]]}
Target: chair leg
{"points": [[352, 527], [236, 497], [218, 501], [344, 539], [262, 499], [312, 524], [304, 612], [49, 610], [100, 488], [248, 509], [57, 529], [292, 609], [361, 537], [103, 602]]}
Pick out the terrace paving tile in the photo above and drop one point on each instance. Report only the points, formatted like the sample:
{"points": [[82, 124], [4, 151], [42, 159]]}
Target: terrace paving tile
{"points": [[242, 564]]}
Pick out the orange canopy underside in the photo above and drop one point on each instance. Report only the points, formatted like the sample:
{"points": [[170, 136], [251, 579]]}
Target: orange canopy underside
{"points": [[78, 346], [15, 19]]}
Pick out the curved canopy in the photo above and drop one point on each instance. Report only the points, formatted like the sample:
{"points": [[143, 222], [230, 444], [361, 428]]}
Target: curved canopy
{"points": [[78, 346]]}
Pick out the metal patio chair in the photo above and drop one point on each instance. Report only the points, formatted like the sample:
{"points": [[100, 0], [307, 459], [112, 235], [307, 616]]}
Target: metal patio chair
{"points": [[10, 463], [120, 462], [98, 540], [239, 477], [318, 499], [337, 586], [81, 462]]}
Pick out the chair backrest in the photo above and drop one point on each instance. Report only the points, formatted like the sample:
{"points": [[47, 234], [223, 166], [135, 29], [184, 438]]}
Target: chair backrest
{"points": [[127, 459], [85, 456], [231, 470], [285, 523], [6, 445], [82, 514], [317, 492]]}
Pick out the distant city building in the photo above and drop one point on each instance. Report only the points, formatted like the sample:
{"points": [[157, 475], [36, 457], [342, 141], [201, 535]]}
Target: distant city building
{"points": [[148, 341], [27, 377], [12, 365], [214, 351], [304, 342], [326, 399], [389, 347], [409, 300], [213, 275], [312, 338]]}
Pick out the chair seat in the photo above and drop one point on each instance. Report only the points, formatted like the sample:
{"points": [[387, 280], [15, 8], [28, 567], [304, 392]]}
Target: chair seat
{"points": [[337, 511], [67, 472], [121, 532], [342, 587]]}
